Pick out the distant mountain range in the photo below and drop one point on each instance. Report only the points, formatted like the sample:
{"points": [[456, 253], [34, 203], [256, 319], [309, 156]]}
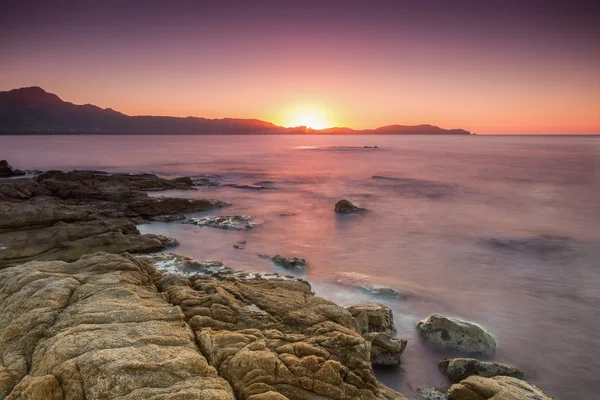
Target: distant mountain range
{"points": [[32, 110]]}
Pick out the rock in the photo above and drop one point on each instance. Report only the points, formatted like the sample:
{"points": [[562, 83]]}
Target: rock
{"points": [[274, 336], [248, 187], [458, 369], [69, 241], [456, 334], [496, 388], [344, 206], [381, 291], [384, 349], [94, 211], [373, 317], [361, 282], [428, 393], [206, 182], [289, 262], [6, 170], [110, 326], [153, 206], [231, 222], [168, 218], [97, 329]]}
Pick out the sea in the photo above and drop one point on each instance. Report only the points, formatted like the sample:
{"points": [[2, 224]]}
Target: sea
{"points": [[503, 231]]}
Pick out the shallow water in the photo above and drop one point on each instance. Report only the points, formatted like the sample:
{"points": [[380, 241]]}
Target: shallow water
{"points": [[502, 231]]}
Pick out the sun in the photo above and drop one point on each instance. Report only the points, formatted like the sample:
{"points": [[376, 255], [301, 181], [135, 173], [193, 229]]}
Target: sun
{"points": [[312, 119]]}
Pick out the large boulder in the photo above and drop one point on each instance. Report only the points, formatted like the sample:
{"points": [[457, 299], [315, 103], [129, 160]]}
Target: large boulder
{"points": [[384, 349], [373, 317], [458, 369], [6, 170], [456, 334], [496, 388], [345, 206]]}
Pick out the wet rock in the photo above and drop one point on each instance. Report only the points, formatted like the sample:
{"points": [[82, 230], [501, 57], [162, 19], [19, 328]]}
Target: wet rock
{"points": [[373, 317], [428, 393], [289, 262], [206, 182], [153, 206], [458, 369], [345, 206], [384, 349], [231, 222], [248, 187], [381, 291], [168, 217], [498, 387], [361, 282], [453, 333], [6, 170], [264, 256], [287, 214]]}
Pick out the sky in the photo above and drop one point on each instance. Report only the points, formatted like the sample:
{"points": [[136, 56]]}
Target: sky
{"points": [[488, 66]]}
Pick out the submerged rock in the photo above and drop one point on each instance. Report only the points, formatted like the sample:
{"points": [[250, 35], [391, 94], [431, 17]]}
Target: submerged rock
{"points": [[248, 187], [458, 369], [361, 282], [429, 393], [289, 262], [373, 317], [6, 170], [206, 182], [231, 222], [168, 217], [456, 334], [345, 206], [498, 387], [384, 349]]}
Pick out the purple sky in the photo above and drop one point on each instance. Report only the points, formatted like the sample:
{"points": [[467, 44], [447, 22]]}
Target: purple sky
{"points": [[487, 66]]}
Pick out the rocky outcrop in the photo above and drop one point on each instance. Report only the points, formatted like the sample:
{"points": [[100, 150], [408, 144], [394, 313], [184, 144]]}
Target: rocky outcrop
{"points": [[373, 317], [496, 388], [289, 262], [97, 329], [345, 206], [6, 170], [456, 334], [458, 369], [230, 222], [110, 326], [69, 241], [63, 215], [384, 349]]}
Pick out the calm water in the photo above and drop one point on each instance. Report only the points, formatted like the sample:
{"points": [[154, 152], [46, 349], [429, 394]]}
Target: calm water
{"points": [[502, 231]]}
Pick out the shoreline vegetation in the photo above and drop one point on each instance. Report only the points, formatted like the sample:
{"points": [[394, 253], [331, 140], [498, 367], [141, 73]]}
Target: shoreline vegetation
{"points": [[92, 308], [32, 110]]}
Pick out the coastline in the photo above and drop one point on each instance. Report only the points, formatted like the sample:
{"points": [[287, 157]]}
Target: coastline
{"points": [[73, 216]]}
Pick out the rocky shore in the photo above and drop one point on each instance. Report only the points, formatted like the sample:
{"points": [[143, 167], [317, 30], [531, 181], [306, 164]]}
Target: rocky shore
{"points": [[84, 317]]}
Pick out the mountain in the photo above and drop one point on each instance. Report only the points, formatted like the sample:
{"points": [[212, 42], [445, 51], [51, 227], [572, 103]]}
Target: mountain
{"points": [[32, 110]]}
